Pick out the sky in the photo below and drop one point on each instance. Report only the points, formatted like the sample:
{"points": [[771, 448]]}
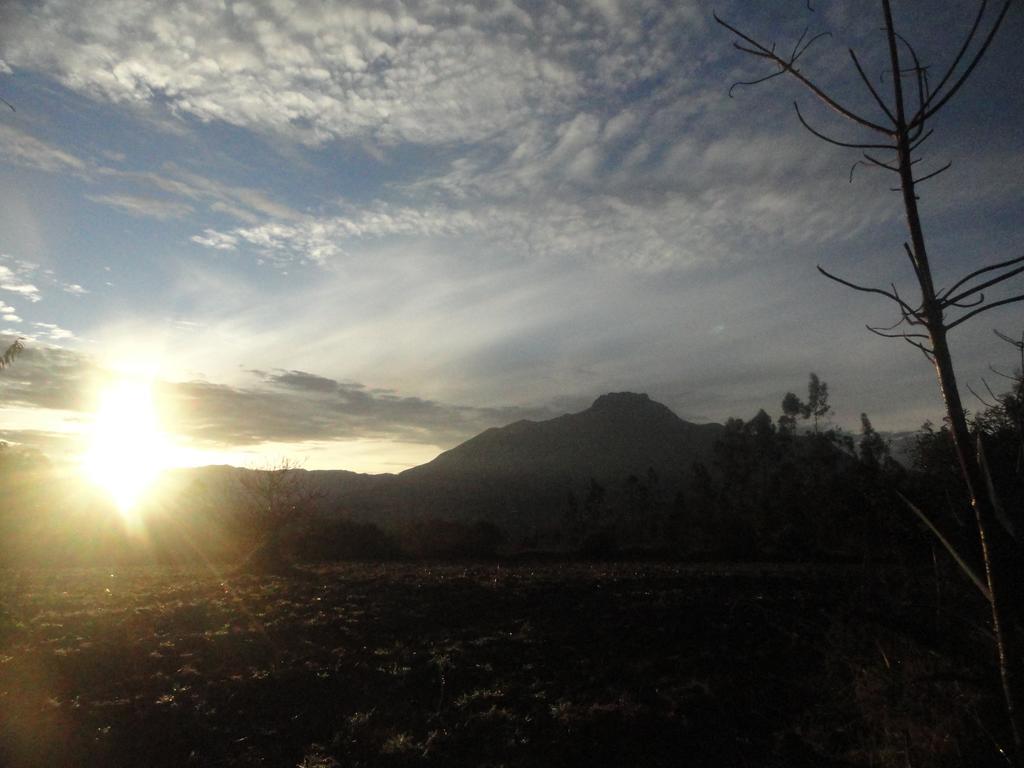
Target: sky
{"points": [[357, 234]]}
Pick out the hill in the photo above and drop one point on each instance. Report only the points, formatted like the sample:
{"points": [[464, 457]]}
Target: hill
{"points": [[519, 475]]}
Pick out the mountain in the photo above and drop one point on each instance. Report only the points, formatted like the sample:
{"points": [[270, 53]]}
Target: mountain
{"points": [[518, 476], [622, 433]]}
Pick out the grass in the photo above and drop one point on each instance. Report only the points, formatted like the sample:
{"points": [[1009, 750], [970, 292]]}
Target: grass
{"points": [[445, 665]]}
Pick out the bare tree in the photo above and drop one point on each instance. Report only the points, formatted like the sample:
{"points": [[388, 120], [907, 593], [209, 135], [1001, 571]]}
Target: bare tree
{"points": [[275, 498], [890, 142]]}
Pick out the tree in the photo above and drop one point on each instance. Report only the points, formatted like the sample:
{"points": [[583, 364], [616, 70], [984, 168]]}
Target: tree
{"points": [[10, 353], [817, 400], [275, 499], [900, 130], [816, 407], [791, 408], [873, 449]]}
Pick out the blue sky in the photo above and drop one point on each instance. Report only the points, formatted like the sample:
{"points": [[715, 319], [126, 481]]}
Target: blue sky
{"points": [[357, 234]]}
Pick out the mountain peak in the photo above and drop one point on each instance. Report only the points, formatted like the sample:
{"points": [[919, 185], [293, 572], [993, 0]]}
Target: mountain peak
{"points": [[620, 401]]}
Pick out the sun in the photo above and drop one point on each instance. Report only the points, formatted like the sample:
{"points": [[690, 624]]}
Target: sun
{"points": [[128, 448]]}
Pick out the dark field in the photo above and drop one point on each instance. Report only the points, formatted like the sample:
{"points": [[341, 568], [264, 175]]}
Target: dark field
{"points": [[486, 665]]}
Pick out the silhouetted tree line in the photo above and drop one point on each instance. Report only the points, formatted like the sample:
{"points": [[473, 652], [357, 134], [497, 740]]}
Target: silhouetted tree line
{"points": [[773, 491]]}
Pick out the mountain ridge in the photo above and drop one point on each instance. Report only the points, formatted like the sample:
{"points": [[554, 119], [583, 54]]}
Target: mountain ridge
{"points": [[522, 475]]}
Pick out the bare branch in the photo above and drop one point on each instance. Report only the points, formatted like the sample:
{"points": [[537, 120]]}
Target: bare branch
{"points": [[880, 164], [918, 71], [917, 142], [866, 289], [979, 398], [796, 48], [1001, 374], [1008, 263], [5, 101], [926, 351], [762, 51], [754, 82], [881, 332], [1010, 340], [838, 143], [960, 560], [752, 52], [963, 49], [933, 174], [871, 160], [986, 308], [854, 167], [878, 99], [807, 45], [995, 399], [931, 110], [964, 304], [903, 319]]}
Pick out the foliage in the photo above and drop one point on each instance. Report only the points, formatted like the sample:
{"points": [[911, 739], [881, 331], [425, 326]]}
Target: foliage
{"points": [[816, 407], [12, 351], [771, 493], [275, 499]]}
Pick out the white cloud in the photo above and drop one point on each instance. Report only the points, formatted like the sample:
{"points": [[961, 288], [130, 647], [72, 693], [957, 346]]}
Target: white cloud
{"points": [[307, 69], [54, 332], [216, 240], [15, 278], [23, 149], [27, 290], [144, 206]]}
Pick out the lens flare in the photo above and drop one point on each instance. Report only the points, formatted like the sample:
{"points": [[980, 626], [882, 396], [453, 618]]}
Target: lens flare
{"points": [[128, 448]]}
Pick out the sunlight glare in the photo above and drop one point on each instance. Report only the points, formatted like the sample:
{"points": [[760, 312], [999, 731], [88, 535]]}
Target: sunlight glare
{"points": [[128, 448]]}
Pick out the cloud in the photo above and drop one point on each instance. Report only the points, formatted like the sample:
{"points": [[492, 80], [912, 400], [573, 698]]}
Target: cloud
{"points": [[310, 70], [419, 72], [12, 280], [217, 240], [54, 332], [296, 406], [20, 148], [278, 407], [49, 378], [20, 276], [144, 206], [241, 202]]}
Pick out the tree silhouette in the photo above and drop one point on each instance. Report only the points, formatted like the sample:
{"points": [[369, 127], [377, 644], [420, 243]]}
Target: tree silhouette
{"points": [[816, 407], [923, 323], [274, 499], [10, 353]]}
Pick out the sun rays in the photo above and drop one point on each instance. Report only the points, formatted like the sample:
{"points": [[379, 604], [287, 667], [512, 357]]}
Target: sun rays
{"points": [[128, 447]]}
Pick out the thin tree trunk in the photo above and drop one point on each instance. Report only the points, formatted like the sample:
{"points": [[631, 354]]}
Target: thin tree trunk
{"points": [[1002, 625]]}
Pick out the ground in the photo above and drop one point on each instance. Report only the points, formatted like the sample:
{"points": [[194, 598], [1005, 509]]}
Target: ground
{"points": [[489, 665]]}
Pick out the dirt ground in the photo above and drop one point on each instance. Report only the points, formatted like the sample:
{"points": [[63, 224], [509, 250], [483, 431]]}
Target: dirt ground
{"points": [[486, 665]]}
